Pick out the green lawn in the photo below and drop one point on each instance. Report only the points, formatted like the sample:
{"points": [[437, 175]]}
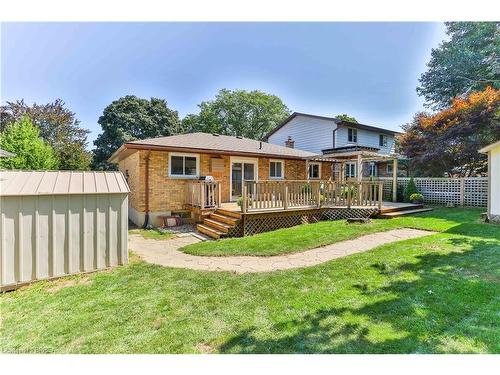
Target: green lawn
{"points": [[435, 294], [153, 234], [308, 236]]}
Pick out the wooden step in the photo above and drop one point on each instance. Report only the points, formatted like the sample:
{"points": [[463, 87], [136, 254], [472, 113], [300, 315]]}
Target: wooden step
{"points": [[224, 212], [401, 213], [223, 227], [209, 231], [401, 208], [224, 219]]}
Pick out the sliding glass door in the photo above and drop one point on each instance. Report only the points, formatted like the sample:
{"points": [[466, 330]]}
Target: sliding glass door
{"points": [[240, 172]]}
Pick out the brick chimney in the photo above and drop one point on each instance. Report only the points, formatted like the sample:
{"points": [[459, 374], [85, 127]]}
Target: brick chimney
{"points": [[289, 142]]}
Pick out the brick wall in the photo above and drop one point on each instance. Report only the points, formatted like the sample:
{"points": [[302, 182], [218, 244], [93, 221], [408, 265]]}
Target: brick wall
{"points": [[167, 193]]}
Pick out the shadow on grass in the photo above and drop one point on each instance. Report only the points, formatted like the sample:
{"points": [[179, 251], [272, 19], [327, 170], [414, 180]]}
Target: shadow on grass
{"points": [[445, 303]]}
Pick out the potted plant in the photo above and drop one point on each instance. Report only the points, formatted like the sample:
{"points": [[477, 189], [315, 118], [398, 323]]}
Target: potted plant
{"points": [[417, 198], [239, 202]]}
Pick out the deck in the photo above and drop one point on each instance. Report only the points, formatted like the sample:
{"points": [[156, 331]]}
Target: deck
{"points": [[386, 207]]}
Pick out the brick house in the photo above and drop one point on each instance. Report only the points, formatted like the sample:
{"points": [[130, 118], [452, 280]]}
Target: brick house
{"points": [[160, 171]]}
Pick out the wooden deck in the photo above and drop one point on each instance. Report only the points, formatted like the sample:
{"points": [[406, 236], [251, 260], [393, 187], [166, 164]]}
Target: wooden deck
{"points": [[386, 207]]}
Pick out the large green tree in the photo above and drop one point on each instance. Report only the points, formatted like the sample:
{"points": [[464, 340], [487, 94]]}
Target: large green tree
{"points": [[58, 127], [346, 117], [449, 140], [23, 139], [249, 114], [469, 60], [131, 118]]}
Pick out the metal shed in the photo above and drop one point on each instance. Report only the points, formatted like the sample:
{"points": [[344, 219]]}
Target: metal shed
{"points": [[57, 223]]}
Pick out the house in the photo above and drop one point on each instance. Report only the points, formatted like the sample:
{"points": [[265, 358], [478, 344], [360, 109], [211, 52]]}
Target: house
{"points": [[493, 152], [164, 173], [333, 137]]}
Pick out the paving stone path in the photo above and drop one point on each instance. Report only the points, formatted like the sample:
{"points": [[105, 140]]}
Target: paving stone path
{"points": [[166, 253]]}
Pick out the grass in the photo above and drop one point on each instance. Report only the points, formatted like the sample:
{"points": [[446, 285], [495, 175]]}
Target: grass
{"points": [[435, 294], [153, 234], [304, 237]]}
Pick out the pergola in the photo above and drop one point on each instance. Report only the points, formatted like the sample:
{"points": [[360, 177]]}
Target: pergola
{"points": [[359, 155]]}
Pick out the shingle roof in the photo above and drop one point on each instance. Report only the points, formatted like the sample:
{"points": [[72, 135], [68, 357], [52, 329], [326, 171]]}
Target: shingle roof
{"points": [[13, 183], [219, 143]]}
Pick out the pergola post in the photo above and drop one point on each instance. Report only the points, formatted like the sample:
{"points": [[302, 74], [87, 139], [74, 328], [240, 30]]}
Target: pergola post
{"points": [[359, 175], [395, 180]]}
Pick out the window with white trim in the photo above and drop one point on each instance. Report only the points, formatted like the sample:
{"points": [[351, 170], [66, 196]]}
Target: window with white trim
{"points": [[382, 140], [389, 168], [276, 169], [350, 170], [183, 165], [373, 169], [314, 171], [352, 135]]}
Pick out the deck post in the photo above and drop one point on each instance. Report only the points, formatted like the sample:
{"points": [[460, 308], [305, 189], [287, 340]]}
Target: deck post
{"points": [[285, 198], [359, 170], [395, 180], [244, 203], [318, 196], [348, 185], [219, 195], [202, 191], [380, 194]]}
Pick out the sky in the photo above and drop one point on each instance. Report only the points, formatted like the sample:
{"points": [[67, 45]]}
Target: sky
{"points": [[367, 70]]}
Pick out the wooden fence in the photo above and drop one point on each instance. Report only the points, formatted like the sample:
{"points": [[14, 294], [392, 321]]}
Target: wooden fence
{"points": [[289, 195], [468, 191]]}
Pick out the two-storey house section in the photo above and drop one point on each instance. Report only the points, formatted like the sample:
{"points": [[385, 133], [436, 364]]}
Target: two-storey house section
{"points": [[329, 135]]}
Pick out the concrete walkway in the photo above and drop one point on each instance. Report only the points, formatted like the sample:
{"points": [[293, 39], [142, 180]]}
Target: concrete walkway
{"points": [[165, 253]]}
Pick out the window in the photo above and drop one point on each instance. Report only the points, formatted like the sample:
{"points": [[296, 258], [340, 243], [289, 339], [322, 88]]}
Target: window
{"points": [[275, 169], [389, 168], [373, 169], [314, 170], [183, 165], [352, 135], [382, 140], [350, 170]]}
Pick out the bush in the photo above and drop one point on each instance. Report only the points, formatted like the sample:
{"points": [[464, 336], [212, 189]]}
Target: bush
{"points": [[410, 189], [416, 198]]}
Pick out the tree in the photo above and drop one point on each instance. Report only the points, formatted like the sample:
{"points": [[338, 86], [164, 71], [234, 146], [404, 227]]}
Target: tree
{"points": [[469, 61], [250, 114], [448, 141], [58, 127], [131, 118], [345, 117], [23, 139]]}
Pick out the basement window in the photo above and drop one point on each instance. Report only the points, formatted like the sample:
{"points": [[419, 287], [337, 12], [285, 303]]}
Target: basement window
{"points": [[184, 165]]}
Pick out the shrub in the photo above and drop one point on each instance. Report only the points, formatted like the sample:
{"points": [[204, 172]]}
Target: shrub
{"points": [[410, 189], [416, 198]]}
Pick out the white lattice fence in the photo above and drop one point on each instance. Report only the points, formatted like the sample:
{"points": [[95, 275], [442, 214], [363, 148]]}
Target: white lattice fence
{"points": [[469, 191]]}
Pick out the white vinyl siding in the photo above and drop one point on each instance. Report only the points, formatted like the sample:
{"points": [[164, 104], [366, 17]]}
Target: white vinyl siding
{"points": [[314, 135], [309, 134], [365, 138]]}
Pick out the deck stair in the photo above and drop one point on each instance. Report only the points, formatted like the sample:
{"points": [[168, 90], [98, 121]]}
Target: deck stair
{"points": [[219, 223], [389, 212]]}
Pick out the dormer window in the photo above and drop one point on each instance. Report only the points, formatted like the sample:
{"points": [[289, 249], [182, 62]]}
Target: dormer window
{"points": [[382, 140], [352, 135]]}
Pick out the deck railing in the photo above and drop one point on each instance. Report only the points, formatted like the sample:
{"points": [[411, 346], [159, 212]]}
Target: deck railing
{"points": [[262, 195], [203, 194]]}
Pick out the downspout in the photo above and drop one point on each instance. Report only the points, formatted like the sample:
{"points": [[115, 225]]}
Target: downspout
{"points": [[146, 197]]}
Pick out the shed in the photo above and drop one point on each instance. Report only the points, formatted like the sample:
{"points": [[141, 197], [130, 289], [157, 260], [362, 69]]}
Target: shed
{"points": [[493, 152], [57, 223]]}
